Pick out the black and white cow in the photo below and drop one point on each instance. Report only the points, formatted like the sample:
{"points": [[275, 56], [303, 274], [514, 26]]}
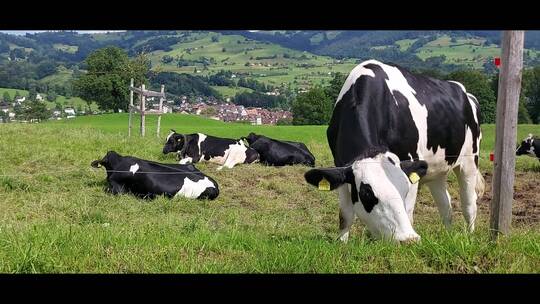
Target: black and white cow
{"points": [[391, 128], [529, 146], [147, 179], [192, 148], [275, 152]]}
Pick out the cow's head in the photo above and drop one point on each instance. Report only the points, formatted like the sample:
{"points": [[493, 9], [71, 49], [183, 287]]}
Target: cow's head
{"points": [[526, 147], [107, 161], [251, 138], [379, 187], [175, 142]]}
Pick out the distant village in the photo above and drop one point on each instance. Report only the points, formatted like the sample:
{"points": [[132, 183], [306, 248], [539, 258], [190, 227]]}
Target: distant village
{"points": [[227, 112]]}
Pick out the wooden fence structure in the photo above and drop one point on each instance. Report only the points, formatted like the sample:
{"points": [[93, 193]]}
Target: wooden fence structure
{"points": [[141, 108], [506, 131]]}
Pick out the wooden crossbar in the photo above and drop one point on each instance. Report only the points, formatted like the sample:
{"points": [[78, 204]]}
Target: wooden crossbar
{"points": [[147, 93], [142, 107]]}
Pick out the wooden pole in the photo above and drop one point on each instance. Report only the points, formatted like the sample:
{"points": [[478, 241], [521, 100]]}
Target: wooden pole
{"points": [[130, 110], [142, 110], [160, 108], [505, 133]]}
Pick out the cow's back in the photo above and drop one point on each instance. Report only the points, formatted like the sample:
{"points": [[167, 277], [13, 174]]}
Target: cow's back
{"points": [[384, 107]]}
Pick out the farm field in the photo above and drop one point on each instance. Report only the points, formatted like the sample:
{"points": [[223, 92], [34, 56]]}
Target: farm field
{"points": [[471, 52], [55, 217], [233, 52]]}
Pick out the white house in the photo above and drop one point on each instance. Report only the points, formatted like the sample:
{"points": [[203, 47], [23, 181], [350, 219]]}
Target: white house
{"points": [[166, 109], [69, 112], [39, 97], [11, 115], [20, 99]]}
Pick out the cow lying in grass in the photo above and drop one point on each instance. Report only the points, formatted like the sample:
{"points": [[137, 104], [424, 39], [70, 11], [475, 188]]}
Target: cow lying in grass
{"points": [[147, 179], [275, 152], [193, 148], [529, 146]]}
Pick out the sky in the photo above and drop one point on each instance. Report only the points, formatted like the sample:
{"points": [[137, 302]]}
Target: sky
{"points": [[32, 32]]}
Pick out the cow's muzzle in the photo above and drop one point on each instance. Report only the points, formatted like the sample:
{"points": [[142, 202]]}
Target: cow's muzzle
{"points": [[96, 164]]}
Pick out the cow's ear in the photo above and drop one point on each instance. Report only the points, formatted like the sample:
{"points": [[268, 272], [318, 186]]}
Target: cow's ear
{"points": [[410, 167], [334, 176]]}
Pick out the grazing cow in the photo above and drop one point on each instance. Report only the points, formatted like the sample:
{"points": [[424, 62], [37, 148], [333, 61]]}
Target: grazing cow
{"points": [[275, 152], [192, 148], [147, 179], [529, 146], [391, 128]]}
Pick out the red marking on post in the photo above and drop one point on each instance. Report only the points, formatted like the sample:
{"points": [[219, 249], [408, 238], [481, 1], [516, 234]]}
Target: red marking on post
{"points": [[491, 156], [497, 61]]}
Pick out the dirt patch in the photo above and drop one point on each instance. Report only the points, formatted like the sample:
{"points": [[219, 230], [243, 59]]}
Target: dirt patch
{"points": [[526, 205]]}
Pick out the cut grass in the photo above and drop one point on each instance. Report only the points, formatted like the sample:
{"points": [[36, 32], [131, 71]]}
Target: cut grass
{"points": [[55, 217]]}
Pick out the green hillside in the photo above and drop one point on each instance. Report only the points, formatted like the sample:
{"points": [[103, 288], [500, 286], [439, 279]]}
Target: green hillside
{"points": [[73, 102], [263, 61]]}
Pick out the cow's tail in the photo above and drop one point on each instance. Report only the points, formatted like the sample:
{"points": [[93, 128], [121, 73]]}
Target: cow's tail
{"points": [[480, 184]]}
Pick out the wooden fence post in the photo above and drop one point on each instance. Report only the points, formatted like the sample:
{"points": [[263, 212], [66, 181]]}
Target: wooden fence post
{"points": [[130, 105], [505, 134], [143, 99], [160, 108]]}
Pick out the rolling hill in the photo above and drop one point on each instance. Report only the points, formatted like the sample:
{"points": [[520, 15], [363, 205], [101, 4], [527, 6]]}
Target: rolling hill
{"points": [[295, 60]]}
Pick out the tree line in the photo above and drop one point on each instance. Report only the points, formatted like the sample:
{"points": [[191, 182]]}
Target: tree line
{"points": [[315, 106]]}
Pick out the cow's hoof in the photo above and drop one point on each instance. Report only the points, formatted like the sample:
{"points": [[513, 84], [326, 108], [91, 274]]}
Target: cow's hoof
{"points": [[410, 240]]}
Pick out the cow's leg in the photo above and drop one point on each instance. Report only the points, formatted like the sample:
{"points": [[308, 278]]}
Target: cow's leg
{"points": [[437, 187], [232, 158], [410, 201], [346, 212], [116, 188], [467, 183]]}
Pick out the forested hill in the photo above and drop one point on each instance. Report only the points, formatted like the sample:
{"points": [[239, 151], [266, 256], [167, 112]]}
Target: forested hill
{"points": [[323, 42], [227, 63]]}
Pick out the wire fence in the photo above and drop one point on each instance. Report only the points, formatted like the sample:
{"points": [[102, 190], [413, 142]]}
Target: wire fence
{"points": [[178, 171]]}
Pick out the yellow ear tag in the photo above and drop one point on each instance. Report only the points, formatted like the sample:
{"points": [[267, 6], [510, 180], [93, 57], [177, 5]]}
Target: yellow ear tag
{"points": [[414, 177], [324, 185]]}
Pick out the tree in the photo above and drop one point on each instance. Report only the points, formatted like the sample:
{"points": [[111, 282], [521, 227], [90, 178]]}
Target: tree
{"points": [[215, 39], [45, 68], [108, 77], [531, 90], [36, 110], [312, 108], [481, 87], [332, 91], [3, 117], [167, 59], [51, 96], [32, 93], [6, 97]]}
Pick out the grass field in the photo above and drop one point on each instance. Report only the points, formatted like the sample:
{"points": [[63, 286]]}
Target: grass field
{"points": [[55, 216]]}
